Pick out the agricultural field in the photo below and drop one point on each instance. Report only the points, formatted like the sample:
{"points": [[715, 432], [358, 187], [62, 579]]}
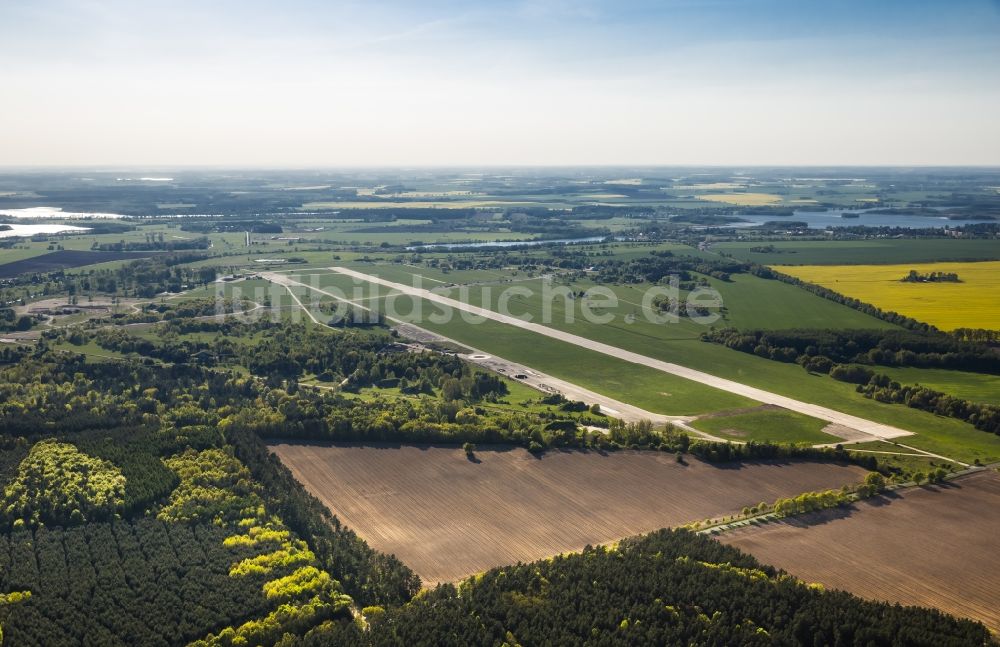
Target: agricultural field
{"points": [[19, 252], [627, 251], [930, 546], [742, 199], [867, 252], [448, 516], [61, 260], [971, 302], [750, 302]]}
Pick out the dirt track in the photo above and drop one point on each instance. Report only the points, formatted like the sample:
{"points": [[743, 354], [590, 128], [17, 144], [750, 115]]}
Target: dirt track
{"points": [[874, 429], [931, 546], [448, 517]]}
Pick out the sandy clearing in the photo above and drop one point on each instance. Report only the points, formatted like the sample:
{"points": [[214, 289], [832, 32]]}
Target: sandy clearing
{"points": [[448, 517], [876, 430], [847, 434]]}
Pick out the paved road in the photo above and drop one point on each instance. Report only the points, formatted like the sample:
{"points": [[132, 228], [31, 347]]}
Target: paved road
{"points": [[544, 382], [878, 431], [308, 311], [531, 377]]}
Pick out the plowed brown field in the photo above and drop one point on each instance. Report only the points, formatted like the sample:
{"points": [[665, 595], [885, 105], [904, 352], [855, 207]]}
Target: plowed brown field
{"points": [[448, 517], [930, 546]]}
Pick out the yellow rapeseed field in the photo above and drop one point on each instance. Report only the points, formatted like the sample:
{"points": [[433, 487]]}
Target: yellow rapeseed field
{"points": [[972, 303], [742, 199]]}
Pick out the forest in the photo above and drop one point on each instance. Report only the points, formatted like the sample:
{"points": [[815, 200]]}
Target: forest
{"points": [[172, 528], [141, 505], [921, 349], [447, 406], [658, 265], [985, 417], [144, 278]]}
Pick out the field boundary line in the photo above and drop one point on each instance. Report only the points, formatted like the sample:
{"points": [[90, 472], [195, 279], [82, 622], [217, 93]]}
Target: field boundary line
{"points": [[770, 516]]}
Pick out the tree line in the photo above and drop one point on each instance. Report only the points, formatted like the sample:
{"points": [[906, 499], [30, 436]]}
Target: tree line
{"points": [[143, 278], [819, 352], [920, 349], [138, 582], [153, 245], [658, 265], [914, 276], [985, 417], [894, 318]]}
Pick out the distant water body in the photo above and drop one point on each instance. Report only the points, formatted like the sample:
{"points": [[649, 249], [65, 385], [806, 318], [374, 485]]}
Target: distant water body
{"points": [[54, 213], [31, 230], [835, 218], [814, 220]]}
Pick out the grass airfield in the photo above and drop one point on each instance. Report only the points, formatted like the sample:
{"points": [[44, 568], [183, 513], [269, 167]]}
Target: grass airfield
{"points": [[660, 393]]}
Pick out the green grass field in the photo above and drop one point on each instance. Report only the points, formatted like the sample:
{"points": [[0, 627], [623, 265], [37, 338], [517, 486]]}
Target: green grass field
{"points": [[977, 387], [626, 251], [760, 303], [91, 350], [21, 252], [647, 388], [432, 277], [641, 386], [766, 425], [900, 457], [751, 302]]}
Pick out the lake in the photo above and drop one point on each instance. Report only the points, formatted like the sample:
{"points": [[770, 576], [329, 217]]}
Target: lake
{"points": [[31, 230], [54, 213], [834, 218]]}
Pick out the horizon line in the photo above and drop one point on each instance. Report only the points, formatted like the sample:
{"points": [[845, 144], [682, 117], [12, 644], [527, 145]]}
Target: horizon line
{"points": [[110, 168]]}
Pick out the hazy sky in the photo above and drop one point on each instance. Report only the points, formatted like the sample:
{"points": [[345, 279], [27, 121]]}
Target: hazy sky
{"points": [[304, 83]]}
